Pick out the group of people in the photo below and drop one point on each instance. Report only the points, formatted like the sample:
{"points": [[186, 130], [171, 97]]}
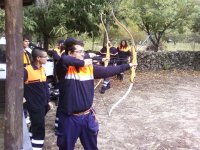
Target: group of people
{"points": [[118, 56], [75, 115]]}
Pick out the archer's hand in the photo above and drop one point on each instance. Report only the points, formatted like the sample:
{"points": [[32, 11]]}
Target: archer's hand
{"points": [[133, 65], [87, 62], [129, 59], [105, 59]]}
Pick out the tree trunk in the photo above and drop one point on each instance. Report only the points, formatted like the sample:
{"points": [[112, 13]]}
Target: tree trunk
{"points": [[14, 78], [155, 44]]}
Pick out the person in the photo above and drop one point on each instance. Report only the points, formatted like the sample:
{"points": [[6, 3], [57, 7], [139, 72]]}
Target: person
{"points": [[27, 61], [26, 119], [76, 84], [124, 54], [56, 54], [36, 93], [27, 51], [113, 56], [58, 51]]}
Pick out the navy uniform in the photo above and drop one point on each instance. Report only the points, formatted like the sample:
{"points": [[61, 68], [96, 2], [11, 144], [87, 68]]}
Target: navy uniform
{"points": [[76, 116], [124, 54], [36, 93], [112, 62]]}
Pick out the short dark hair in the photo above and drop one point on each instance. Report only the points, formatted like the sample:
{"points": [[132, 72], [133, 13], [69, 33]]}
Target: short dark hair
{"points": [[37, 51], [61, 41], [25, 37], [70, 43]]}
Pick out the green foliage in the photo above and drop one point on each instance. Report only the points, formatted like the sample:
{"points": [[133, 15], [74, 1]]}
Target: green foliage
{"points": [[116, 33], [83, 16], [157, 16], [42, 18], [2, 23], [58, 18], [196, 21]]}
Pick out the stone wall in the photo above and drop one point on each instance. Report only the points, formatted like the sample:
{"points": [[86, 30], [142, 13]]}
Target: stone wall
{"points": [[149, 60]]}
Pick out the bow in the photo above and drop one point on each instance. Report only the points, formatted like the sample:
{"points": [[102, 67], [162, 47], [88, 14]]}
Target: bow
{"points": [[107, 49], [133, 61]]}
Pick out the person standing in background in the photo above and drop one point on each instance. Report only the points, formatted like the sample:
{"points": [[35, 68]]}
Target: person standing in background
{"points": [[124, 54], [112, 62], [37, 96], [27, 51], [27, 61]]}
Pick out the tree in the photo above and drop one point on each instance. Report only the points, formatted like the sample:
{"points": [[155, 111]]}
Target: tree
{"points": [[196, 22], [55, 18], [157, 16]]}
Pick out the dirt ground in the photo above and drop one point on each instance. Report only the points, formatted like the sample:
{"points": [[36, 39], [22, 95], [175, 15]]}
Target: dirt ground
{"points": [[161, 112]]}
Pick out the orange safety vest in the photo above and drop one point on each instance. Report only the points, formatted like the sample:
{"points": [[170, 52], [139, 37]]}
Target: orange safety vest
{"points": [[124, 49], [35, 75], [26, 59]]}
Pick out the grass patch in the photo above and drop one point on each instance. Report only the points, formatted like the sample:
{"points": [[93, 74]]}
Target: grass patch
{"points": [[182, 47]]}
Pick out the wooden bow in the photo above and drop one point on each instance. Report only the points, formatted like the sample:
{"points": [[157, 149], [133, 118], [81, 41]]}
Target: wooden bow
{"points": [[107, 49], [133, 61]]}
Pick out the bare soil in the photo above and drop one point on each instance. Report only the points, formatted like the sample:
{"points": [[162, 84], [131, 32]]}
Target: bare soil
{"points": [[161, 112]]}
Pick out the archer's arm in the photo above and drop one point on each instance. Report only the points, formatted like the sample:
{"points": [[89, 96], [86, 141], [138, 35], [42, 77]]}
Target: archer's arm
{"points": [[104, 72]]}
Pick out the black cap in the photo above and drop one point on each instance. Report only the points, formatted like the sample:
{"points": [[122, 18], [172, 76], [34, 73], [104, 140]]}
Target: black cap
{"points": [[69, 44], [69, 40]]}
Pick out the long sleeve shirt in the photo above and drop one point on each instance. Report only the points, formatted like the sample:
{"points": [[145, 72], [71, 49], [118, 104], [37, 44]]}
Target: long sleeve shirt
{"points": [[123, 52], [76, 83], [113, 54]]}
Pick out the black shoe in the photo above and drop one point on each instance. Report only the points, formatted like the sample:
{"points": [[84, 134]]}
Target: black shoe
{"points": [[102, 90], [108, 86], [121, 77], [118, 76]]}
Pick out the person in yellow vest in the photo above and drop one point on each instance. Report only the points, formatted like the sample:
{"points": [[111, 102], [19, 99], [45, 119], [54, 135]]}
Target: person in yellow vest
{"points": [[58, 51], [124, 54], [27, 51], [27, 61], [37, 96]]}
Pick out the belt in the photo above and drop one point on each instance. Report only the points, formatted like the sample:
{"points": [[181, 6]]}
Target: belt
{"points": [[83, 113]]}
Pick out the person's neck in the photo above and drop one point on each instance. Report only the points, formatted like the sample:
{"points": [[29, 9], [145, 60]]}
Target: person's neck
{"points": [[37, 64]]}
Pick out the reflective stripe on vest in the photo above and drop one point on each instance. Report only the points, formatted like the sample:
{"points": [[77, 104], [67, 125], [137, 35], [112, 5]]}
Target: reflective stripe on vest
{"points": [[84, 74]]}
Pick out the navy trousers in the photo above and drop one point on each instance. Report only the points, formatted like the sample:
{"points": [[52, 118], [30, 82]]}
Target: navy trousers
{"points": [[37, 128], [72, 127]]}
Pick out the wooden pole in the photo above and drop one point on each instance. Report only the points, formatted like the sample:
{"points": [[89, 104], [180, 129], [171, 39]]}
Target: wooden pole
{"points": [[14, 78]]}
